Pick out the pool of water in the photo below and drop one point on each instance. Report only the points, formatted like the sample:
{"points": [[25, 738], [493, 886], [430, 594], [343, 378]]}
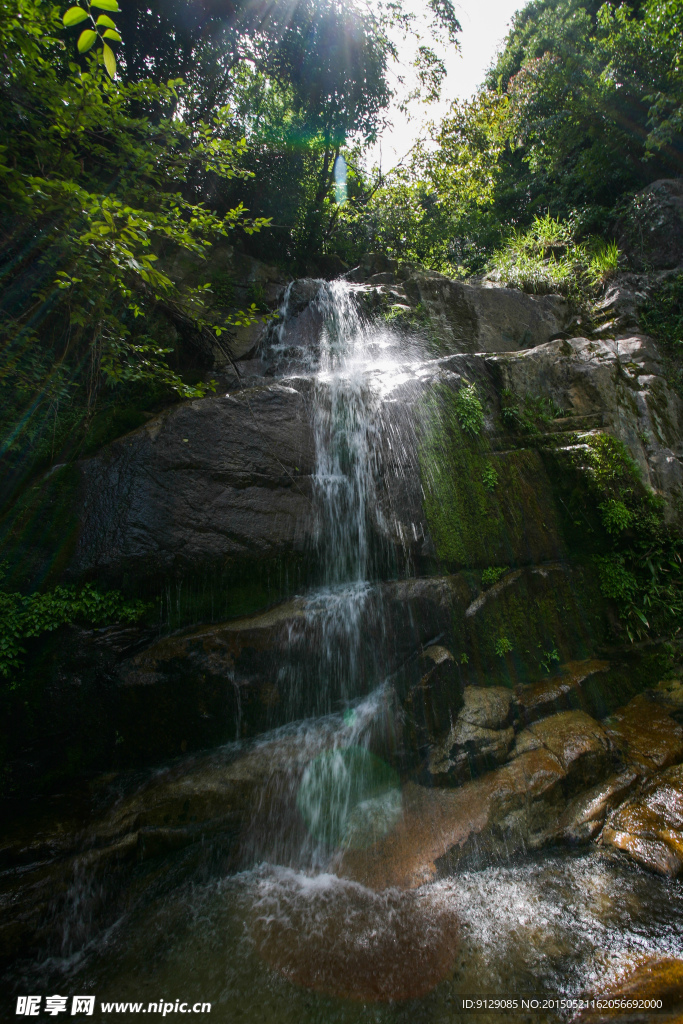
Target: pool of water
{"points": [[273, 945]]}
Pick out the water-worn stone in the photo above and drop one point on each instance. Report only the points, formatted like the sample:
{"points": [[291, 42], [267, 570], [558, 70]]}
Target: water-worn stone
{"points": [[576, 740], [649, 980], [517, 806], [557, 692], [585, 815], [649, 826], [645, 734], [100, 836], [234, 679], [479, 739], [205, 483]]}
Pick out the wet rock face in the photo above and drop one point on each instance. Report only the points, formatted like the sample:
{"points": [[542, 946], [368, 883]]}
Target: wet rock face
{"points": [[205, 483], [621, 382], [480, 738], [647, 979], [413, 944], [558, 692], [644, 733], [215, 484], [649, 826], [520, 805], [467, 317]]}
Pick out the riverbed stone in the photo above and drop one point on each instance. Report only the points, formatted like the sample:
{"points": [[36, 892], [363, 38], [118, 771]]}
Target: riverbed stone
{"points": [[558, 692], [649, 826], [646, 978], [645, 735], [519, 805]]}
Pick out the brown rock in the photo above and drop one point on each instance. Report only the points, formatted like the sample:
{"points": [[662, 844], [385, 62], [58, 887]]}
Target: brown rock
{"points": [[645, 735], [556, 693], [648, 979], [514, 807], [478, 740], [586, 814], [576, 740], [486, 706], [468, 750], [649, 826]]}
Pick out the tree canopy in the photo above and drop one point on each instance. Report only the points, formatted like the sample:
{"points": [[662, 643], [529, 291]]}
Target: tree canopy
{"points": [[582, 107]]}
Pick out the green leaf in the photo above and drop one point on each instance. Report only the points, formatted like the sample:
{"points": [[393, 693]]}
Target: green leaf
{"points": [[74, 15], [109, 60], [86, 39], [105, 21], [106, 5], [112, 34]]}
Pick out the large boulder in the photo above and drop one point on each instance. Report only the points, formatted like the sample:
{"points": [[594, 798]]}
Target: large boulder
{"points": [[204, 485], [521, 805], [649, 826], [464, 317], [651, 229], [621, 381]]}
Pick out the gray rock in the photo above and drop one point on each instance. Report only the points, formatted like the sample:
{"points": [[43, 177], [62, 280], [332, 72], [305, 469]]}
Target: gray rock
{"points": [[621, 381], [486, 706], [651, 230], [471, 318], [206, 483]]}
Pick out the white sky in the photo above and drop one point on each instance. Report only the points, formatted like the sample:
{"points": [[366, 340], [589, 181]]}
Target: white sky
{"points": [[485, 24]]}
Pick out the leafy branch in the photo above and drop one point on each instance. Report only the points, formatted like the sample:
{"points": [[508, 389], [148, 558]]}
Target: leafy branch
{"points": [[101, 29]]}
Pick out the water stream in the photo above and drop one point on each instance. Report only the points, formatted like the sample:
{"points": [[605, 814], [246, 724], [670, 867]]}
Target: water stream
{"points": [[261, 926]]}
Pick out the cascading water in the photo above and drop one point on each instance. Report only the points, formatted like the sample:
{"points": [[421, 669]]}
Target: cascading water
{"points": [[346, 792]]}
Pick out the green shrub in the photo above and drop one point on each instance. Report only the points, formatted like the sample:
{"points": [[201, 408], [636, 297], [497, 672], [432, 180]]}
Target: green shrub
{"points": [[616, 516], [489, 477], [502, 646], [25, 617], [492, 575], [468, 409]]}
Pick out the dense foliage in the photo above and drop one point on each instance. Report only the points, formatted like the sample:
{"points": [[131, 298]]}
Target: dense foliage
{"points": [[23, 619], [582, 108], [112, 188]]}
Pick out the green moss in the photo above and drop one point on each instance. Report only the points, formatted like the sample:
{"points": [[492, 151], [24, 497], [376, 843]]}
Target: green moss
{"points": [[470, 523], [492, 575], [555, 612], [610, 514]]}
